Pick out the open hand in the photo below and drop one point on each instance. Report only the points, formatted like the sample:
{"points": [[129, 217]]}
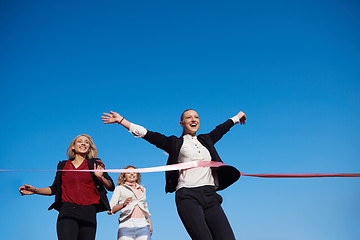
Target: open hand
{"points": [[112, 117]]}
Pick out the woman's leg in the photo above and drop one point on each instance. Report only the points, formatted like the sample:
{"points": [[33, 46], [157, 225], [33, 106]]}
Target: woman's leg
{"points": [[67, 225], [67, 228], [190, 210], [126, 230], [218, 223], [142, 229], [87, 224], [202, 215], [87, 231]]}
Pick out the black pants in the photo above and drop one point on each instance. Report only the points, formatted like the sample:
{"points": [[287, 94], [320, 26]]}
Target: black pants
{"points": [[202, 215], [76, 222]]}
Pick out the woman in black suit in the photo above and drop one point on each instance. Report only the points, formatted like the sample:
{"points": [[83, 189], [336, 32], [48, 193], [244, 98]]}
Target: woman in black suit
{"points": [[198, 204]]}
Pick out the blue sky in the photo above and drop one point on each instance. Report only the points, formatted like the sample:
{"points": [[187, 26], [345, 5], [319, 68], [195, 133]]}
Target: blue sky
{"points": [[292, 66]]}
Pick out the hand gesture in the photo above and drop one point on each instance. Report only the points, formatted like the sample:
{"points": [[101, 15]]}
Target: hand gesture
{"points": [[242, 117], [112, 117], [27, 190], [127, 201], [100, 166]]}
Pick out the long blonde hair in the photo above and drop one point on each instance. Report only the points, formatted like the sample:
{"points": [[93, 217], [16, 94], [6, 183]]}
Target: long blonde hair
{"points": [[121, 179], [92, 153]]}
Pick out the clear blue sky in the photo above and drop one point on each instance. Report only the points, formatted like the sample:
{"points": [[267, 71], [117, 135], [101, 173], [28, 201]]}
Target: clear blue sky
{"points": [[292, 66]]}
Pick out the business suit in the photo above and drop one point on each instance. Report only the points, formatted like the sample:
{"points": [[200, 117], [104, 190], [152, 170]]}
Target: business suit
{"points": [[199, 208]]}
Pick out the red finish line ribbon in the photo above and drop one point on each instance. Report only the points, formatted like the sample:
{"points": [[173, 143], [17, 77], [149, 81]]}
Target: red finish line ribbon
{"points": [[301, 175], [194, 164]]}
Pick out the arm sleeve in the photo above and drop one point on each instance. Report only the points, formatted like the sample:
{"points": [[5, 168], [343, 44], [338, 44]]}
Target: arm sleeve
{"points": [[235, 119], [137, 130], [115, 199], [57, 180], [220, 130]]}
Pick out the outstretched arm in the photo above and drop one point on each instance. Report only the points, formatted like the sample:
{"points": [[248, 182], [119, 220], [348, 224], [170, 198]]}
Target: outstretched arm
{"points": [[114, 117]]}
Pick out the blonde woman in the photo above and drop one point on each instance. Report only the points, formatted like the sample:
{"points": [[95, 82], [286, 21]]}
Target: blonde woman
{"points": [[130, 198], [78, 195]]}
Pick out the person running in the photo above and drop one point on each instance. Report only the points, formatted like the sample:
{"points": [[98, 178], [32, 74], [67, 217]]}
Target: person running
{"points": [[129, 197], [198, 204], [78, 195]]}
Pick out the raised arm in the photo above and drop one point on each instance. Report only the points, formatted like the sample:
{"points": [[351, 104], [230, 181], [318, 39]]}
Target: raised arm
{"points": [[113, 117]]}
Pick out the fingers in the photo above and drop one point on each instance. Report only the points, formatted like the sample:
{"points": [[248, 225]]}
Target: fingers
{"points": [[243, 118], [127, 201], [100, 163], [99, 167], [108, 114], [26, 189], [105, 118]]}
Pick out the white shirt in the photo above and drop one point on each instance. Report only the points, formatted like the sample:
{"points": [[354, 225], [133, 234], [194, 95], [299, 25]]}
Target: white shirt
{"points": [[193, 150], [120, 194]]}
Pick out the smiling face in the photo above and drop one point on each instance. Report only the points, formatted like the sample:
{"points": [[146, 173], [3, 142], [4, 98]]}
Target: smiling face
{"points": [[130, 177], [81, 145], [76, 147], [190, 122]]}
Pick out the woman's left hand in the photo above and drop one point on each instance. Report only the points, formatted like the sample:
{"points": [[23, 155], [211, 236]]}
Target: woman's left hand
{"points": [[242, 117], [99, 166]]}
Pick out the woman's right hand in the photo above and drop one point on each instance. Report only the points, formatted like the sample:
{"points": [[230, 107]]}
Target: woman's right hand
{"points": [[27, 190], [112, 117], [127, 201]]}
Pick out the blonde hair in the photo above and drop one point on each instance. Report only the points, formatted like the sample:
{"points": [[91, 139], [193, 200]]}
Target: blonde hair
{"points": [[121, 179], [92, 153]]}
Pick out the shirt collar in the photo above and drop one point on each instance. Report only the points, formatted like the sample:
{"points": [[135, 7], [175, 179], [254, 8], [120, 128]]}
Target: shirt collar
{"points": [[133, 185], [188, 136]]}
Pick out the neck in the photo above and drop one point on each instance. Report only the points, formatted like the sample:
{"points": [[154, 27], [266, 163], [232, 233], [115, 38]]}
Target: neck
{"points": [[79, 158]]}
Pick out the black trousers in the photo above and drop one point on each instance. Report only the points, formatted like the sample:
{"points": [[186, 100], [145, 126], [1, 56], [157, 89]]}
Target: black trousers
{"points": [[76, 222], [202, 215]]}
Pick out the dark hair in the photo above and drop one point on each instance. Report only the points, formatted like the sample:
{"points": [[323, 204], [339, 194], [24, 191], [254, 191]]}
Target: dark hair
{"points": [[182, 115]]}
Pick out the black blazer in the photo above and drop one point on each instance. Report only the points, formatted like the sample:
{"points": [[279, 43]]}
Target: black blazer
{"points": [[227, 175], [56, 187]]}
